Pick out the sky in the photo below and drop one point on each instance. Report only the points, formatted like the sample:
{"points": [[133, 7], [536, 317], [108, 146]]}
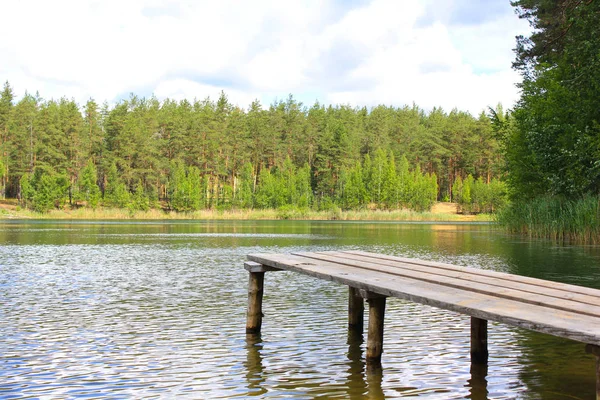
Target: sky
{"points": [[448, 53]]}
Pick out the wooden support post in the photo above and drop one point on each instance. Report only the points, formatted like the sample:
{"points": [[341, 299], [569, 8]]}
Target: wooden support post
{"points": [[595, 350], [255, 295], [479, 350], [356, 310], [376, 318]]}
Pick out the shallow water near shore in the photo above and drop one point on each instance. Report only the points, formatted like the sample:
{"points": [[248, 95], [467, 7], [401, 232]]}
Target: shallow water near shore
{"points": [[151, 309]]}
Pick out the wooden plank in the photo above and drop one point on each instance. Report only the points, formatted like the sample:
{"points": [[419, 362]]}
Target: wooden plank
{"points": [[503, 280], [460, 283], [560, 323], [483, 272], [367, 295], [252, 266]]}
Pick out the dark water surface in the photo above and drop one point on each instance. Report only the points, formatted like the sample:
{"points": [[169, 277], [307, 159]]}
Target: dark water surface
{"points": [[157, 310]]}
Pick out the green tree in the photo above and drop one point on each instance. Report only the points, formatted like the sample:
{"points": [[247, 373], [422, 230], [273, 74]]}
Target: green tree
{"points": [[245, 187], [139, 201], [6, 111], [405, 182], [554, 147], [379, 168], [88, 187], [45, 189], [355, 193], [116, 193], [265, 192], [304, 194], [391, 185]]}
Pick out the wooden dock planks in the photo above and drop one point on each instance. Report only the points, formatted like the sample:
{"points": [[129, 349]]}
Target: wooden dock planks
{"points": [[554, 308]]}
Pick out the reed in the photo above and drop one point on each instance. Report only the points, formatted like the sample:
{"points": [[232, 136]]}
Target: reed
{"points": [[245, 214], [555, 218]]}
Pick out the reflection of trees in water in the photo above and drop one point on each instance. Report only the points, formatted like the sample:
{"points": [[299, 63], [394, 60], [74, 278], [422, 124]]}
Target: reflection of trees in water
{"points": [[543, 259], [554, 368]]}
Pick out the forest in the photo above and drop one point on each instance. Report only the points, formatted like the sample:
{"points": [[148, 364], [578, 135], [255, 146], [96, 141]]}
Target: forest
{"points": [[188, 155]]}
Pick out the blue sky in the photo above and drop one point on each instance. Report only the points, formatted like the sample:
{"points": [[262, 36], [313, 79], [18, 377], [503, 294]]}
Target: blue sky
{"points": [[453, 53]]}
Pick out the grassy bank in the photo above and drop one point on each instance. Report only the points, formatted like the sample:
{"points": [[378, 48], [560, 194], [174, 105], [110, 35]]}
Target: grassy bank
{"points": [[555, 218], [269, 214]]}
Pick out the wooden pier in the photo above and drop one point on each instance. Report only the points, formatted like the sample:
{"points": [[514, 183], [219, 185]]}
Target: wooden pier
{"points": [[558, 309]]}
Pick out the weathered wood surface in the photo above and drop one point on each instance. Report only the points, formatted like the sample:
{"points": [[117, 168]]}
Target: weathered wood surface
{"points": [[558, 309], [256, 280], [375, 335]]}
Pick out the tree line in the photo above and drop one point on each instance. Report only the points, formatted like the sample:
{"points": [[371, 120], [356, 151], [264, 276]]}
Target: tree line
{"points": [[186, 155]]}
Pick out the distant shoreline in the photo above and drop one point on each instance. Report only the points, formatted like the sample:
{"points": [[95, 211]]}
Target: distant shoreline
{"points": [[441, 212]]}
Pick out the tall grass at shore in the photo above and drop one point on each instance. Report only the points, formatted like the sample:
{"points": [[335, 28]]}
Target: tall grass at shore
{"points": [[555, 218], [244, 214]]}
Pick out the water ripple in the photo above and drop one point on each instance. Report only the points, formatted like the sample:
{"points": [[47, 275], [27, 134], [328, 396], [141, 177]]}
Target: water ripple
{"points": [[164, 319]]}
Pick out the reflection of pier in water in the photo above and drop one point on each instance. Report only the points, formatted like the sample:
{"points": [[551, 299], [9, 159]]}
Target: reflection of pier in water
{"points": [[562, 310], [254, 366], [362, 381]]}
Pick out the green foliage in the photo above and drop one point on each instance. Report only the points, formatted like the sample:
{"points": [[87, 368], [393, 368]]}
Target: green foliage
{"points": [[186, 188], [266, 191], [292, 212], [116, 193], [467, 188], [88, 189], [304, 194], [355, 192], [27, 190], [43, 198], [245, 189], [550, 141], [477, 196], [44, 190], [212, 154], [423, 191], [553, 148], [139, 201]]}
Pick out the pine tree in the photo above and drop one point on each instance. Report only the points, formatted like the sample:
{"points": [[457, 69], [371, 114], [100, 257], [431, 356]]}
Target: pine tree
{"points": [[116, 193], [6, 111], [140, 201]]}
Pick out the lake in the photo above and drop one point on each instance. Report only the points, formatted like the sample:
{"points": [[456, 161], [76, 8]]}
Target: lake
{"points": [[156, 309]]}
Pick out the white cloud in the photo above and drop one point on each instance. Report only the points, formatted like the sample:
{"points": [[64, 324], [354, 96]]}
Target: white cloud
{"points": [[377, 52]]}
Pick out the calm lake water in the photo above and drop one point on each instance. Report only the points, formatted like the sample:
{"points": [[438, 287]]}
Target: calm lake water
{"points": [[157, 310]]}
